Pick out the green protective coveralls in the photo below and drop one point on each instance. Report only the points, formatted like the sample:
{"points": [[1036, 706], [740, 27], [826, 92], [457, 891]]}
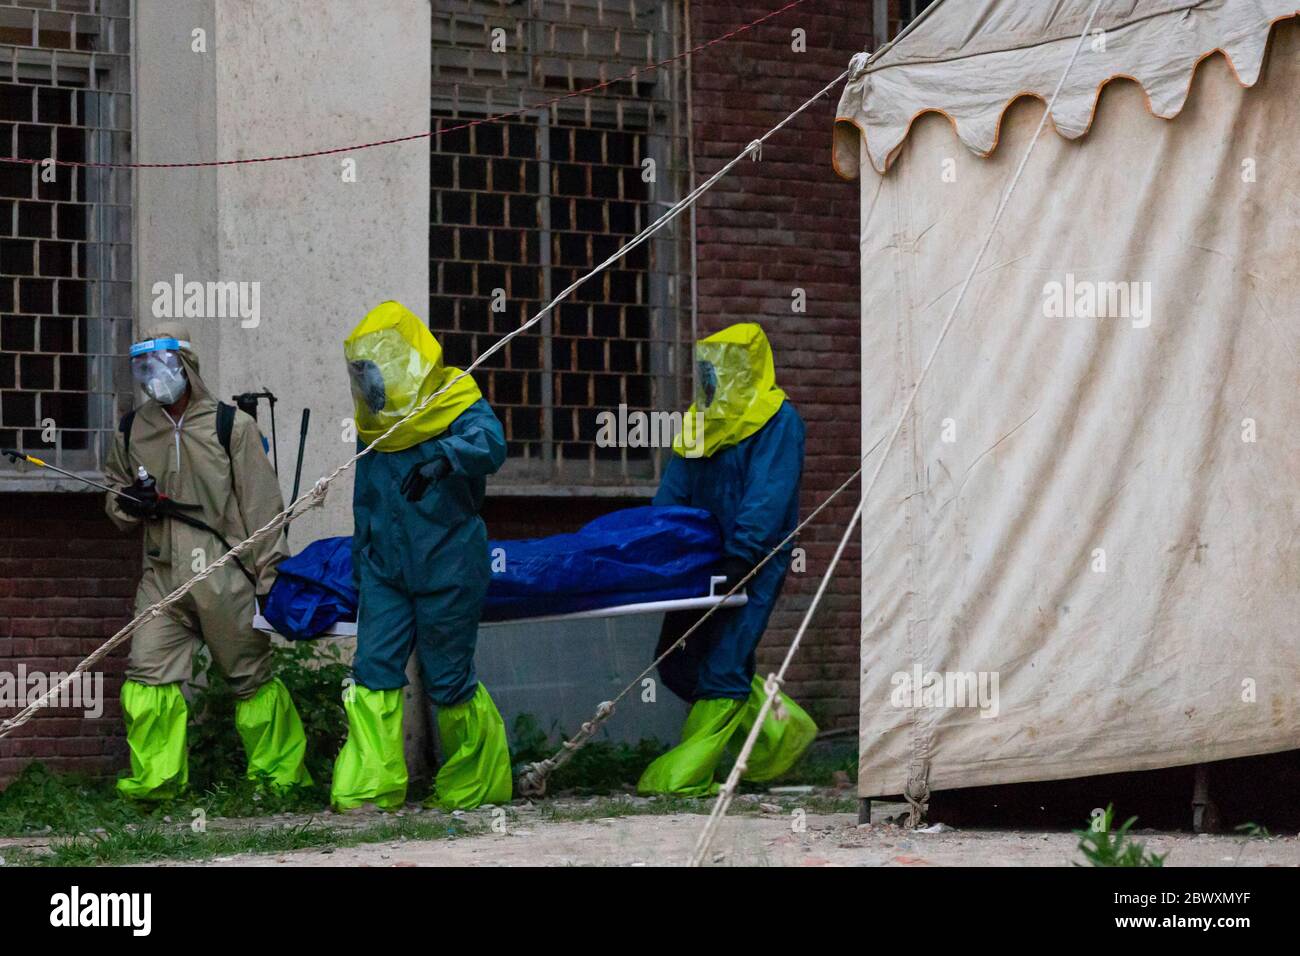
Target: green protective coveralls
{"points": [[422, 568], [740, 457], [235, 494]]}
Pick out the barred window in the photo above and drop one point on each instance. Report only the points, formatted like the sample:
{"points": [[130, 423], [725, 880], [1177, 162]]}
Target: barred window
{"points": [[523, 207], [65, 251]]}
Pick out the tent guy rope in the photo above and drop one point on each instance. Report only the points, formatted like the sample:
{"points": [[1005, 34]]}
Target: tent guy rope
{"points": [[773, 683]]}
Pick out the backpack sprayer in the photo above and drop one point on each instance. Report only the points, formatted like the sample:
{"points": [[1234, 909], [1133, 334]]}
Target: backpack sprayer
{"points": [[248, 403]]}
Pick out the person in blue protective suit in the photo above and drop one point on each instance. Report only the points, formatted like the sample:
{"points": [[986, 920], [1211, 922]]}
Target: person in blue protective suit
{"points": [[740, 457], [420, 559]]}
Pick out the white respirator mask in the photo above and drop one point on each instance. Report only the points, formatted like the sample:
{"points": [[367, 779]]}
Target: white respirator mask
{"points": [[156, 367]]}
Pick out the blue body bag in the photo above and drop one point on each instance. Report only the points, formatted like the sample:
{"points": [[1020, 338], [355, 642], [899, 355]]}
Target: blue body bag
{"points": [[625, 557]]}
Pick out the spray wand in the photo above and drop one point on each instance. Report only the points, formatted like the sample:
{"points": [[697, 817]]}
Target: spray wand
{"points": [[167, 506]]}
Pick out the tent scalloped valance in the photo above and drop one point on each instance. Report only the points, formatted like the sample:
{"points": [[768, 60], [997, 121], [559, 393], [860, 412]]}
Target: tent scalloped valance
{"points": [[1160, 52]]}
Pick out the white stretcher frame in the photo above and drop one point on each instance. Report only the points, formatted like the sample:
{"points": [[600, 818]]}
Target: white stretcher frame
{"points": [[704, 602]]}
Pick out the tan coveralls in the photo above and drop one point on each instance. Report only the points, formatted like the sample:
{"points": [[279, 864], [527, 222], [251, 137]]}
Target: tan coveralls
{"points": [[236, 495]]}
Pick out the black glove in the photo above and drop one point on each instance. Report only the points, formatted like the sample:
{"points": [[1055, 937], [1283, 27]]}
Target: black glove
{"points": [[423, 477], [143, 501], [735, 569]]}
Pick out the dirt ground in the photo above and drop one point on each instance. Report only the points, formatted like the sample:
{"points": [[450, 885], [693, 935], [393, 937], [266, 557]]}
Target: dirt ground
{"points": [[776, 836]]}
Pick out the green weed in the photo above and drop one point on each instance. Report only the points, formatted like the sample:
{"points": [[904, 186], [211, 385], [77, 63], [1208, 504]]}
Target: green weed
{"points": [[314, 674], [1101, 847], [600, 766]]}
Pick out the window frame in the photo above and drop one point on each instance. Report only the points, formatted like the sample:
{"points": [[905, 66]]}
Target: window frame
{"points": [[666, 277]]}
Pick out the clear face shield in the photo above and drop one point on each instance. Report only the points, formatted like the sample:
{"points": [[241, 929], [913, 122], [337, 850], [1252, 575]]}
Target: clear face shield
{"points": [[724, 379], [156, 367], [706, 383], [385, 375]]}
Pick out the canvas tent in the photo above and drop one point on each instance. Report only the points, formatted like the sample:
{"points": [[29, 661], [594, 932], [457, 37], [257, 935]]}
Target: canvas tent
{"points": [[1095, 499]]}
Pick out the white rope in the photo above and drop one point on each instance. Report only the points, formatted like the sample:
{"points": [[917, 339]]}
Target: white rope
{"points": [[316, 494], [772, 686]]}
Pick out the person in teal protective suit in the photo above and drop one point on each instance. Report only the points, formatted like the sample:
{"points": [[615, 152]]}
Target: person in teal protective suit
{"points": [[420, 558], [740, 457]]}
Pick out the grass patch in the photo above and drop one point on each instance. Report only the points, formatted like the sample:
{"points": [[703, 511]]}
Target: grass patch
{"points": [[89, 823], [153, 842], [151, 839], [40, 802]]}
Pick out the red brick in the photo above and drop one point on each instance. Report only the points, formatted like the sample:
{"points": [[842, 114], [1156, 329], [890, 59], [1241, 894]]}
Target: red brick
{"points": [[66, 580], [770, 226]]}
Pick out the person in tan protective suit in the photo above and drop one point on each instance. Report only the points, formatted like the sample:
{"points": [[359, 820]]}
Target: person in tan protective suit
{"points": [[188, 459]]}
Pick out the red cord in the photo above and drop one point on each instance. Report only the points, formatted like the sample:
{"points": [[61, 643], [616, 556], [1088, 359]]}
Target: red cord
{"points": [[414, 136]]}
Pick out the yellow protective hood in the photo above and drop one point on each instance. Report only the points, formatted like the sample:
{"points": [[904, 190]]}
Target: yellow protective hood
{"points": [[394, 364], [735, 391]]}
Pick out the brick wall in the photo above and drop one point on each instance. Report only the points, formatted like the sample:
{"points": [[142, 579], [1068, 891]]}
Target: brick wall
{"points": [[67, 577], [768, 228]]}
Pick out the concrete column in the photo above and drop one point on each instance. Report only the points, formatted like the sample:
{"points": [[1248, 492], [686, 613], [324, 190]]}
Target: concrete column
{"points": [[324, 239]]}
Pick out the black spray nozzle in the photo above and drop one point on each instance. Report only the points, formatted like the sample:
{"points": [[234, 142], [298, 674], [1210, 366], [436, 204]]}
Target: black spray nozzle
{"points": [[247, 401], [14, 454]]}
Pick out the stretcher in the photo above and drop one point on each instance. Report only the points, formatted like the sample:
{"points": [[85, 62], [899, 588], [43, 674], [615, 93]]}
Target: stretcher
{"points": [[701, 603]]}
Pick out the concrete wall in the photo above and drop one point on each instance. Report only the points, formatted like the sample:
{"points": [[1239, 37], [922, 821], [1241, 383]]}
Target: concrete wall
{"points": [[558, 672], [175, 107], [286, 78], [297, 77]]}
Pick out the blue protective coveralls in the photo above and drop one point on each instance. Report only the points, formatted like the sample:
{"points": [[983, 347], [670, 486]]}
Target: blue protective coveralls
{"points": [[752, 489], [422, 568], [746, 474]]}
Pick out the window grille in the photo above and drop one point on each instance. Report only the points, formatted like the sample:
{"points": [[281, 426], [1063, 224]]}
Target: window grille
{"points": [[65, 240], [524, 206]]}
